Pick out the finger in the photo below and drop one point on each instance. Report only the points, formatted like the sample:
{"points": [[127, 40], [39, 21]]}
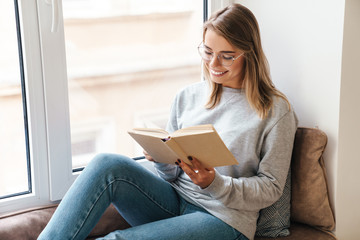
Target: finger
{"points": [[148, 157], [187, 169], [202, 177], [198, 165]]}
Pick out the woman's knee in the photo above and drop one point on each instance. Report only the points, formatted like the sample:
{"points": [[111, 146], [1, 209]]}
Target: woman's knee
{"points": [[104, 159], [106, 163]]}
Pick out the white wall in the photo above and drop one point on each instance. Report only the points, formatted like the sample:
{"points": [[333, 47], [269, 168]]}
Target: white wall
{"points": [[303, 40], [348, 180]]}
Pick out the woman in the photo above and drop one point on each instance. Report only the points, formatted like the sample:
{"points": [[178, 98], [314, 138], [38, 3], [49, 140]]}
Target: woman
{"points": [[256, 123]]}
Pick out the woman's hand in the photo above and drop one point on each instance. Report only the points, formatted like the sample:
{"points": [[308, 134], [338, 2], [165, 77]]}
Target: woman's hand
{"points": [[198, 173], [148, 157]]}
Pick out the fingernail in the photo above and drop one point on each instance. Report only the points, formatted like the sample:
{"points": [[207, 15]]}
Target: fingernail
{"points": [[179, 161], [190, 158]]}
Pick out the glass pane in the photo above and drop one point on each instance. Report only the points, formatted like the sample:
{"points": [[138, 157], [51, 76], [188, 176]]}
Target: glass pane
{"points": [[13, 159], [126, 59]]}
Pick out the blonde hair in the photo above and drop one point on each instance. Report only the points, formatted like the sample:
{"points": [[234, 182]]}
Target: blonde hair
{"points": [[239, 27]]}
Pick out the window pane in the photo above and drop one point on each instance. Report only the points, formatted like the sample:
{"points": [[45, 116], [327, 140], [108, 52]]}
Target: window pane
{"points": [[126, 59], [13, 158]]}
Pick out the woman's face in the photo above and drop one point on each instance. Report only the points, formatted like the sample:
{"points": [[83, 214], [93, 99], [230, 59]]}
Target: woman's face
{"points": [[231, 76]]}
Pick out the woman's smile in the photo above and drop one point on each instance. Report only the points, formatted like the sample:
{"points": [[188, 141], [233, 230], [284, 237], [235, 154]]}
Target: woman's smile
{"points": [[217, 73]]}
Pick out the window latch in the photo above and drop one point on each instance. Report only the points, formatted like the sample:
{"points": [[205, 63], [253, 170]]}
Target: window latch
{"points": [[55, 14]]}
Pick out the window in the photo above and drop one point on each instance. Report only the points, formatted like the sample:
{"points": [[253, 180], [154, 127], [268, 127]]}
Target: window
{"points": [[125, 62], [15, 175], [118, 65]]}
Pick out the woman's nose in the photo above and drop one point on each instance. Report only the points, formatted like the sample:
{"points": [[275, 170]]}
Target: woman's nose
{"points": [[215, 61]]}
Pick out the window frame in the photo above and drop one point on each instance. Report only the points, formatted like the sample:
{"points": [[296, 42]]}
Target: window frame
{"points": [[56, 102], [36, 116]]}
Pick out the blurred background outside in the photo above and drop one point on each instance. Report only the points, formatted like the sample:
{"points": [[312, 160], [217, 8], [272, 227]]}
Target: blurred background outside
{"points": [[126, 59]]}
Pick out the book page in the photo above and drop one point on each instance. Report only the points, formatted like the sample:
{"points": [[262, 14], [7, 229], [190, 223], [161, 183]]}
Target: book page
{"points": [[155, 132], [193, 130]]}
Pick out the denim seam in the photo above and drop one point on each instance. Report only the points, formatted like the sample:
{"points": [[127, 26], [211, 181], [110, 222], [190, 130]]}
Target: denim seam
{"points": [[91, 208], [107, 186], [148, 196]]}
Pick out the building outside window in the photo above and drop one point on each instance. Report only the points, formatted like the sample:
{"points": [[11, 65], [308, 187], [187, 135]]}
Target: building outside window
{"points": [[125, 61]]}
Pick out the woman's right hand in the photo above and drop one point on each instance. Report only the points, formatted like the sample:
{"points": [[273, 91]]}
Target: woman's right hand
{"points": [[148, 157]]}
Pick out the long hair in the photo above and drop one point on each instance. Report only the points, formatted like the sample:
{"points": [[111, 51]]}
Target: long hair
{"points": [[240, 28]]}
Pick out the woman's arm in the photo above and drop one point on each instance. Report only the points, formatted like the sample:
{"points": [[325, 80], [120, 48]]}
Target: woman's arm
{"points": [[262, 190], [266, 187]]}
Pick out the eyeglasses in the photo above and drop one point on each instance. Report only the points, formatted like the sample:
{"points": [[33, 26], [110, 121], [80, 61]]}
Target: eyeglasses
{"points": [[225, 59]]}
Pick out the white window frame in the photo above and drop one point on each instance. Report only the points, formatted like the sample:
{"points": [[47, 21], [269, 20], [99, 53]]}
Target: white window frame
{"points": [[36, 114], [52, 42], [42, 32]]}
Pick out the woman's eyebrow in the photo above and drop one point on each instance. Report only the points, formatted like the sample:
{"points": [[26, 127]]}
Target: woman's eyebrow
{"points": [[220, 51]]}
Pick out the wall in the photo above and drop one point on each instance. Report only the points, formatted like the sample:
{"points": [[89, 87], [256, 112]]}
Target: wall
{"points": [[303, 44], [312, 55], [347, 192]]}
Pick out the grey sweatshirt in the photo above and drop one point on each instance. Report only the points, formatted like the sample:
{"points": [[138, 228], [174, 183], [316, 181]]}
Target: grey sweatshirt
{"points": [[262, 147]]}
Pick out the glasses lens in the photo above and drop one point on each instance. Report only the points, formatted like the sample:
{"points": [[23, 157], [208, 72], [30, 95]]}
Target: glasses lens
{"points": [[225, 60], [205, 54]]}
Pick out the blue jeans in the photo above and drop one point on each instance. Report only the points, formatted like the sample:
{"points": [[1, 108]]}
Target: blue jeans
{"points": [[147, 202]]}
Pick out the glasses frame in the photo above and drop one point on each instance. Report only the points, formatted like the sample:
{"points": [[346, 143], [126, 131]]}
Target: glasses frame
{"points": [[201, 45]]}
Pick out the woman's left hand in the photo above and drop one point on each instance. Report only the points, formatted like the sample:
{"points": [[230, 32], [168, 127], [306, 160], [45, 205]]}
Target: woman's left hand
{"points": [[198, 173]]}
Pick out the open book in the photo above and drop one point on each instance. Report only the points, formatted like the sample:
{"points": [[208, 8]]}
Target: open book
{"points": [[201, 142]]}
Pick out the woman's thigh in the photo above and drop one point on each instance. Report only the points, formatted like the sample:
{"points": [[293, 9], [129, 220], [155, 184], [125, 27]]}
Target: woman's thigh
{"points": [[137, 193]]}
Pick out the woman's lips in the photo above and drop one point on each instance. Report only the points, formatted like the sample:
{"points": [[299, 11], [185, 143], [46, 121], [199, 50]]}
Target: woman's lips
{"points": [[216, 73]]}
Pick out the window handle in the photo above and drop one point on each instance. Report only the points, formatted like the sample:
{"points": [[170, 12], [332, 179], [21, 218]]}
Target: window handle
{"points": [[55, 14]]}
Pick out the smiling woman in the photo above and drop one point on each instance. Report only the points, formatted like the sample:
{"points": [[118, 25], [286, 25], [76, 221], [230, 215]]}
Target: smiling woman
{"points": [[213, 203]]}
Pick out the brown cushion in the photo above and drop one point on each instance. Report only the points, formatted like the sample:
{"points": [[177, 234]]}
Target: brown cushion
{"points": [[310, 200], [300, 231], [28, 224], [109, 222], [25, 224]]}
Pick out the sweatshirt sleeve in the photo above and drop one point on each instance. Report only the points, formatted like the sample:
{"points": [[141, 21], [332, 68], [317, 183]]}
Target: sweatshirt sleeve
{"points": [[266, 187], [169, 172]]}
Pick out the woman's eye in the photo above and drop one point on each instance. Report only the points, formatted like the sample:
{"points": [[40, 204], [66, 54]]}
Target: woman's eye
{"points": [[227, 57], [208, 53]]}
